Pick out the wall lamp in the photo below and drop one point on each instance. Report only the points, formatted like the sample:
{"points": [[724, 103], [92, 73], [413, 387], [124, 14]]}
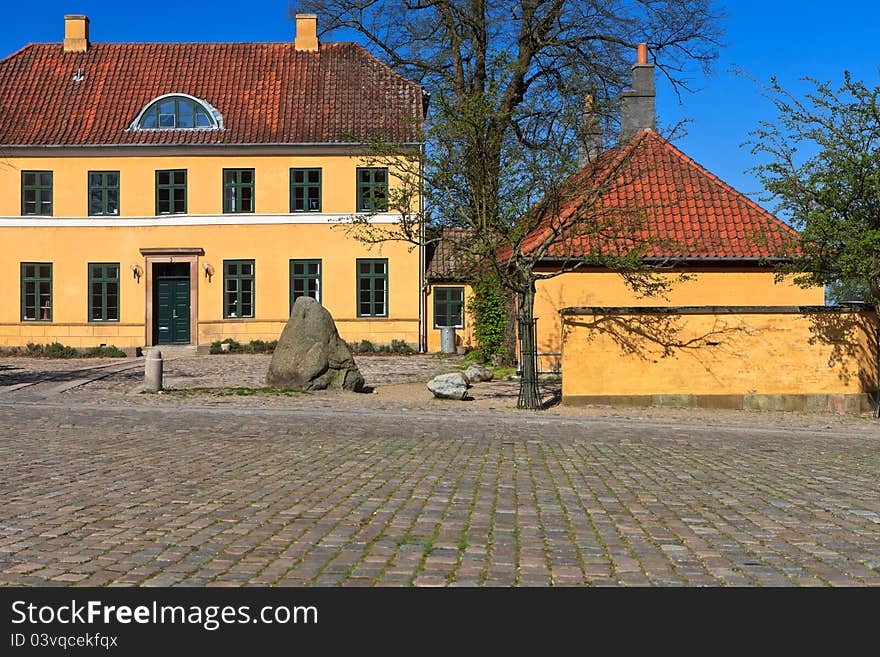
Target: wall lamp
{"points": [[137, 272], [209, 271]]}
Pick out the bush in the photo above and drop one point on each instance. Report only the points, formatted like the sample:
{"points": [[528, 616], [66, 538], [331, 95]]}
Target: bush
{"points": [[367, 347], [489, 315], [363, 347], [252, 347], [111, 351], [58, 350], [401, 347]]}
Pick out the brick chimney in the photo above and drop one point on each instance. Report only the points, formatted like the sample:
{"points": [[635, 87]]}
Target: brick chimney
{"points": [[637, 104], [306, 32], [76, 33], [589, 134]]}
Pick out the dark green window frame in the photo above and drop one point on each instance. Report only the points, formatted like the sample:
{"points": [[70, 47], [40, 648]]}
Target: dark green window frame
{"points": [[103, 193], [372, 189], [239, 289], [238, 191], [305, 280], [171, 191], [36, 291], [103, 291], [372, 287], [449, 307], [176, 113], [36, 193], [305, 190]]}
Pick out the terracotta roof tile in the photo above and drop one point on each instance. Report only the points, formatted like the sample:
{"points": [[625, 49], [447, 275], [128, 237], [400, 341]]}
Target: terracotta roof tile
{"points": [[266, 93], [446, 261], [687, 212]]}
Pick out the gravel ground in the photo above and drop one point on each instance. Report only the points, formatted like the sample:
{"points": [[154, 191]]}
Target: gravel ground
{"points": [[396, 383]]}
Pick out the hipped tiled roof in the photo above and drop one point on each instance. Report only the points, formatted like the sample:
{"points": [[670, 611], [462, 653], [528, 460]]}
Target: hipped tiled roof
{"points": [[446, 259], [668, 205], [267, 93]]}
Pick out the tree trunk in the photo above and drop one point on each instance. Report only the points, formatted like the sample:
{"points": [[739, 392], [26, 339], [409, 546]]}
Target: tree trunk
{"points": [[529, 395]]}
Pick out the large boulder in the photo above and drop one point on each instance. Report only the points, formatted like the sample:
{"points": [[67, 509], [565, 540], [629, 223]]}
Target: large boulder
{"points": [[449, 386], [478, 373], [310, 354]]}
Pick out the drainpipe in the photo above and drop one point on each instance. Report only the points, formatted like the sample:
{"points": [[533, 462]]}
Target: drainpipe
{"points": [[422, 338]]}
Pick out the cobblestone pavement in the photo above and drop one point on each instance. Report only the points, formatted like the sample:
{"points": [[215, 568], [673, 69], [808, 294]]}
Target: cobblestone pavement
{"points": [[193, 494]]}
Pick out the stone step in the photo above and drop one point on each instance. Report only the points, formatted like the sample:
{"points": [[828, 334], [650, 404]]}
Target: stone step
{"points": [[175, 350]]}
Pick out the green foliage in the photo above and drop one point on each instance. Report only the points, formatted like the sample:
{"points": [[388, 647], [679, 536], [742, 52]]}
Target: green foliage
{"points": [[837, 293], [823, 168], [362, 347], [235, 347], [58, 350], [111, 351], [489, 315], [399, 347]]}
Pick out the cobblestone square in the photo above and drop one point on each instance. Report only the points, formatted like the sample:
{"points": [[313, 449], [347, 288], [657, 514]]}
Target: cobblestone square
{"points": [[103, 485]]}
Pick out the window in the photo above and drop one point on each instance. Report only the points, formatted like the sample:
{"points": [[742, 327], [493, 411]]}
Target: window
{"points": [[36, 291], [448, 304], [238, 288], [372, 189], [372, 294], [104, 292], [305, 190], [177, 112], [171, 192], [238, 190], [36, 193], [305, 280], [103, 193]]}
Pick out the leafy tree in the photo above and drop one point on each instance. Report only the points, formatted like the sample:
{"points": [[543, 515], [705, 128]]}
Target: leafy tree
{"points": [[823, 169], [508, 82]]}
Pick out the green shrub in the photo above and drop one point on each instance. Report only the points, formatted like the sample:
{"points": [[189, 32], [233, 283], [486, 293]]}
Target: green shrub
{"points": [[111, 351], [367, 347], [488, 310], [401, 347], [58, 350], [235, 347]]}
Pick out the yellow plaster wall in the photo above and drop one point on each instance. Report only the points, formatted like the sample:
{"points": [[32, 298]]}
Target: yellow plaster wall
{"points": [[703, 288], [712, 354], [270, 246], [464, 336], [137, 180]]}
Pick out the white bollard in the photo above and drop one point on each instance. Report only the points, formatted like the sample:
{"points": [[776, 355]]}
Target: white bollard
{"points": [[153, 371]]}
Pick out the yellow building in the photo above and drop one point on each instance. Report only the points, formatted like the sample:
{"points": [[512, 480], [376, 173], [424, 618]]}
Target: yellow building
{"points": [[710, 243], [185, 193]]}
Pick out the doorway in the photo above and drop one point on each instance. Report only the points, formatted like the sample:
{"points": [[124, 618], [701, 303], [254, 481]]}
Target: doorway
{"points": [[172, 303]]}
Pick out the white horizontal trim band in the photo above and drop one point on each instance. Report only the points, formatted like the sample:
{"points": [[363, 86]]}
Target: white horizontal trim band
{"points": [[241, 219]]}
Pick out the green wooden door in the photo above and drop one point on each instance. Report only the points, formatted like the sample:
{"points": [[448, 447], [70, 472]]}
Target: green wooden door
{"points": [[172, 304]]}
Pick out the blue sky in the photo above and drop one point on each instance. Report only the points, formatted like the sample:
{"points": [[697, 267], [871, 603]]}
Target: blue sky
{"points": [[786, 38]]}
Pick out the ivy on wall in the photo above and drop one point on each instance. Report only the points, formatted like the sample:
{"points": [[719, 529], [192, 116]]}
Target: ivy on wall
{"points": [[489, 313]]}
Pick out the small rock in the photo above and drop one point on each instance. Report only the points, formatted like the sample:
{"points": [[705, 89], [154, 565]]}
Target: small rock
{"points": [[449, 386], [479, 373]]}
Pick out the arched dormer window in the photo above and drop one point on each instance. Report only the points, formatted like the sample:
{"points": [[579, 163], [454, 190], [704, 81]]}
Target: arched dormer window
{"points": [[178, 112]]}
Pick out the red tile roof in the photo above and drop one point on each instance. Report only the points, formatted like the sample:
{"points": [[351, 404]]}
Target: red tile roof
{"points": [[267, 93], [446, 260], [670, 206]]}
